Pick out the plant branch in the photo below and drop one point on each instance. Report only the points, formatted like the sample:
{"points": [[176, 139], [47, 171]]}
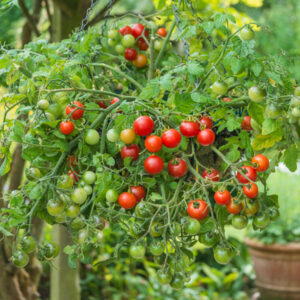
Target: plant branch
{"points": [[29, 17]]}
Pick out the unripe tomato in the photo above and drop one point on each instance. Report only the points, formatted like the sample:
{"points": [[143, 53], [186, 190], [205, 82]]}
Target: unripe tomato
{"points": [[127, 200], [65, 182], [273, 213], [239, 221], [256, 94], [51, 250], [66, 127], [33, 174], [206, 122], [127, 136], [130, 151], [158, 45], [222, 254], [137, 30], [55, 207], [164, 277], [153, 164], [197, 209], [209, 239], [157, 247], [139, 192], [125, 30], [153, 143], [111, 42], [251, 207], [74, 111], [20, 259], [222, 197], [219, 87], [246, 123], [112, 135], [28, 244], [206, 137], [247, 171], [297, 91], [137, 251], [260, 162], [130, 54], [140, 61], [171, 138], [211, 174], [89, 177], [261, 220], [119, 49], [112, 33], [143, 125], [156, 229], [142, 44], [60, 97], [250, 190], [43, 104], [295, 101], [189, 128], [234, 207], [55, 109], [49, 116], [92, 137], [162, 32], [296, 112], [192, 226], [247, 34], [78, 223], [73, 211], [111, 195], [177, 167], [88, 189], [272, 111], [128, 40], [79, 196]]}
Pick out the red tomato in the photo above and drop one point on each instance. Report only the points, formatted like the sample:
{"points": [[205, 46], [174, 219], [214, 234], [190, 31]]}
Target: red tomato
{"points": [[139, 192], [142, 44], [206, 137], [114, 100], [130, 54], [177, 167], [125, 30], [250, 190], [66, 127], [130, 151], [127, 200], [153, 164], [226, 99], [153, 143], [71, 161], [143, 125], [140, 61], [171, 138], [211, 175], [222, 197], [74, 176], [77, 113], [246, 124], [197, 209], [162, 32], [233, 207], [137, 30], [260, 162], [102, 104], [189, 128], [247, 171], [206, 122]]}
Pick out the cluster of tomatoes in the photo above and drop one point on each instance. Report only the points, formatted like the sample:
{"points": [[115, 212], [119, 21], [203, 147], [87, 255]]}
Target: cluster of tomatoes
{"points": [[133, 42]]}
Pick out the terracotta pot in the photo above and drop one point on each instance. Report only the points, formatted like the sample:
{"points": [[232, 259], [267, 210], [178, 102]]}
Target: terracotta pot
{"points": [[277, 269]]}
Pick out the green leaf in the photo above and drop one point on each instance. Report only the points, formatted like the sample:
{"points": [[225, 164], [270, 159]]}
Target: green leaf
{"points": [[166, 82], [232, 123], [195, 68], [36, 192], [266, 141], [206, 225], [69, 249], [256, 68], [230, 278], [290, 158], [221, 214], [233, 155], [269, 126], [5, 232], [183, 103], [151, 90], [208, 27], [256, 111], [199, 98], [155, 196]]}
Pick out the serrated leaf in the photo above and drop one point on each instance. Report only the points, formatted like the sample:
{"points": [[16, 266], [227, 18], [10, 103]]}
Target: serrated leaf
{"points": [[256, 68], [266, 141], [269, 126], [166, 82], [183, 103], [35, 193], [232, 124], [195, 68], [233, 155], [155, 196], [208, 27], [151, 90]]}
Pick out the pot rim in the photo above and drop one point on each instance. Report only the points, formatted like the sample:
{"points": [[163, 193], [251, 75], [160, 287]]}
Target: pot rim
{"points": [[256, 244]]}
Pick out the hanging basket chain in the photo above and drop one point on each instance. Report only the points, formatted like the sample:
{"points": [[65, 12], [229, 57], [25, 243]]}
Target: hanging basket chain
{"points": [[106, 18]]}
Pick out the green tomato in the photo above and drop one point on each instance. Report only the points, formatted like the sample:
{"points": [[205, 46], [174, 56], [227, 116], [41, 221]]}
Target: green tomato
{"points": [[222, 254], [50, 117], [78, 223], [60, 98], [272, 111], [192, 226], [137, 228], [65, 182], [178, 281], [72, 211], [111, 195], [128, 41], [20, 259], [112, 135], [60, 218], [239, 221], [79, 196], [256, 94], [89, 177], [209, 239], [143, 209], [156, 229], [92, 137], [55, 109], [88, 189], [247, 34], [111, 42], [273, 213], [297, 91], [164, 277], [152, 25], [98, 222], [43, 104], [157, 247], [295, 101], [51, 250], [219, 88], [33, 174], [112, 33], [158, 44], [83, 235], [28, 244], [55, 207], [296, 112], [137, 251], [120, 49], [22, 89], [261, 220]]}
